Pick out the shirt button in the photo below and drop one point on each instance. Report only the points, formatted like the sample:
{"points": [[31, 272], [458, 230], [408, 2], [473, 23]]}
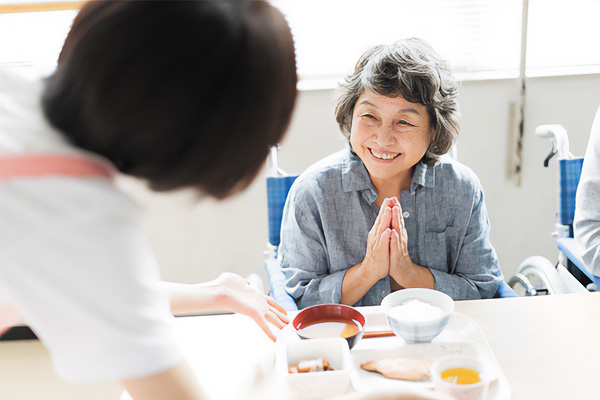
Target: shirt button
{"points": [[406, 214]]}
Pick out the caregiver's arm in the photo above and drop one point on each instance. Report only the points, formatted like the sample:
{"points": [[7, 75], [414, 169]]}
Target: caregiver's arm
{"points": [[587, 206], [228, 293], [177, 382]]}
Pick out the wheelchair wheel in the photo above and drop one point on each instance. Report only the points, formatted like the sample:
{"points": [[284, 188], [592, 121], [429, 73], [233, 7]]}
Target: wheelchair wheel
{"points": [[536, 276]]}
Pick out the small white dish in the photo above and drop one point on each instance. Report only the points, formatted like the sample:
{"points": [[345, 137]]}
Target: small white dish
{"points": [[314, 385], [474, 391]]}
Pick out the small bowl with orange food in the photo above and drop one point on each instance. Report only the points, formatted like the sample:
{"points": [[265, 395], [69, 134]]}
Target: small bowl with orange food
{"points": [[330, 320], [462, 377]]}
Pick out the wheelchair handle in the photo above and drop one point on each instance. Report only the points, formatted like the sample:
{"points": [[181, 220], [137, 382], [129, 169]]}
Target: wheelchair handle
{"points": [[560, 141], [275, 170]]}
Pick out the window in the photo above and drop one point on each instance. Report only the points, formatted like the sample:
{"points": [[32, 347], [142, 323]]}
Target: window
{"points": [[33, 33], [563, 35], [472, 35], [479, 38]]}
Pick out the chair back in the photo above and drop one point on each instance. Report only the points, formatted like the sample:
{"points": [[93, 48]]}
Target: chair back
{"points": [[277, 191], [569, 174]]}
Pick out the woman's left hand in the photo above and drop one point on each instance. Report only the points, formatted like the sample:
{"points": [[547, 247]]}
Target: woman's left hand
{"points": [[402, 270], [400, 262]]}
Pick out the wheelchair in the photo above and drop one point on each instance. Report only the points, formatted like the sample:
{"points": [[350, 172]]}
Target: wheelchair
{"points": [[278, 186], [536, 275]]}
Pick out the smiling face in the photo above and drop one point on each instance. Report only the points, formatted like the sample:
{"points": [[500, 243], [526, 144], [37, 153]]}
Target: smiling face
{"points": [[390, 135]]}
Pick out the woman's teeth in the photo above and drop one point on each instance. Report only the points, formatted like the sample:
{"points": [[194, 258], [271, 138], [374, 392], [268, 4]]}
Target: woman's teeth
{"points": [[383, 156]]}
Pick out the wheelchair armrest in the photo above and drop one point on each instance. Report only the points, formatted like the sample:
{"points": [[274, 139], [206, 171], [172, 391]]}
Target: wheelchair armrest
{"points": [[277, 285], [506, 291], [573, 250]]}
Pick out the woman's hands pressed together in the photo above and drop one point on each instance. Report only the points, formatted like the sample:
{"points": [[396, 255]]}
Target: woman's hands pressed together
{"points": [[387, 254], [387, 244], [377, 259]]}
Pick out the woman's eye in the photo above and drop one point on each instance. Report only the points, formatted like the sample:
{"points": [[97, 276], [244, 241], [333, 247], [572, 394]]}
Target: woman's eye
{"points": [[369, 116], [402, 122]]}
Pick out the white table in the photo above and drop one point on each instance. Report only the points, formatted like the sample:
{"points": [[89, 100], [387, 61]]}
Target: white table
{"points": [[548, 348]]}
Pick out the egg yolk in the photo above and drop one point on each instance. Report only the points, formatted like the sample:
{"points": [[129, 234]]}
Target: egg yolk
{"points": [[461, 376]]}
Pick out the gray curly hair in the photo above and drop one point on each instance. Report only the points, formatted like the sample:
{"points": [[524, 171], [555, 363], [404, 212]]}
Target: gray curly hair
{"points": [[412, 69]]}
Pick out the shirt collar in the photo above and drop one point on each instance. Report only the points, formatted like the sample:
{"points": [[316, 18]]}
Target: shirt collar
{"points": [[355, 177], [424, 176], [354, 174]]}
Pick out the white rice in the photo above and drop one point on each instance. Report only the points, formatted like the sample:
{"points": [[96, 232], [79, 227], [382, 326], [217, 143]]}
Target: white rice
{"points": [[414, 310]]}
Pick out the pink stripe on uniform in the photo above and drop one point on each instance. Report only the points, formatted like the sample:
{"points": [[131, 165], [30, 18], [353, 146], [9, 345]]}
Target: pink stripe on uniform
{"points": [[37, 166]]}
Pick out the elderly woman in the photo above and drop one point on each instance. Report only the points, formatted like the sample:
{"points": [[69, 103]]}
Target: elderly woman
{"points": [[390, 212]]}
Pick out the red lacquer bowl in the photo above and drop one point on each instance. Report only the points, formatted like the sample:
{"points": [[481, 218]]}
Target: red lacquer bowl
{"points": [[330, 320]]}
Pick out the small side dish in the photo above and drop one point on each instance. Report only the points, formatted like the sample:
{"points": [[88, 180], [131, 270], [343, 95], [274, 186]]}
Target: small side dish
{"points": [[329, 361], [462, 377]]}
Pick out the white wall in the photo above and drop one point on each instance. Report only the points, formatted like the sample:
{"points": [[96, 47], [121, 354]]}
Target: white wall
{"points": [[196, 240], [523, 216]]}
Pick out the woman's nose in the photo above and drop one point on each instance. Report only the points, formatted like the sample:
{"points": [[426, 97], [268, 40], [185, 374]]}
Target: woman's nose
{"points": [[385, 136]]}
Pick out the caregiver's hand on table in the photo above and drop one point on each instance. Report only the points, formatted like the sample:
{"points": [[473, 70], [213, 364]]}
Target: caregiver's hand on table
{"points": [[228, 293]]}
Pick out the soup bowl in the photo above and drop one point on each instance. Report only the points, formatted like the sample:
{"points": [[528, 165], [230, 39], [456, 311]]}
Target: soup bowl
{"points": [[426, 312], [330, 320]]}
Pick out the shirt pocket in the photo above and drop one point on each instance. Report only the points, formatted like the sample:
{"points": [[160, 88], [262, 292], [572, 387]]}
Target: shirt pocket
{"points": [[439, 249]]}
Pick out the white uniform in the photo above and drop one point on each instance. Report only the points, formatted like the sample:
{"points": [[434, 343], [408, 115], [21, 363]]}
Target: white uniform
{"points": [[587, 206], [73, 260]]}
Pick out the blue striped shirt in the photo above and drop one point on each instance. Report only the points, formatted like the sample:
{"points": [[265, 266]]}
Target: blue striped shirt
{"points": [[331, 209]]}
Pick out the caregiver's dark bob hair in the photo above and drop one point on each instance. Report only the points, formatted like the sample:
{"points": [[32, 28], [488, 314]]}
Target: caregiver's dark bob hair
{"points": [[180, 93]]}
